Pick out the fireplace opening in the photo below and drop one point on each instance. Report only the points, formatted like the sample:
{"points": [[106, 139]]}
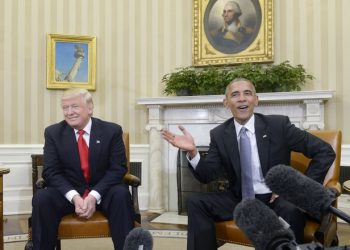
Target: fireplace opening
{"points": [[188, 185]]}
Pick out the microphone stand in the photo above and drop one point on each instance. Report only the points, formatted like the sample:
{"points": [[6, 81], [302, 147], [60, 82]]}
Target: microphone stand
{"points": [[340, 214]]}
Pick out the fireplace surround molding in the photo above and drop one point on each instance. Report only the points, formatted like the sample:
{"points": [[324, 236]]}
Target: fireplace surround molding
{"points": [[199, 114]]}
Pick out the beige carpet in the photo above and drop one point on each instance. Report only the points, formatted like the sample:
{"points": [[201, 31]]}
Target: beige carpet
{"points": [[106, 244], [162, 239], [159, 243]]}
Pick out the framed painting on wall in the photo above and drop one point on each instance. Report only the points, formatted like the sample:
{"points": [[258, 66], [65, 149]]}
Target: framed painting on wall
{"points": [[71, 61], [232, 31]]}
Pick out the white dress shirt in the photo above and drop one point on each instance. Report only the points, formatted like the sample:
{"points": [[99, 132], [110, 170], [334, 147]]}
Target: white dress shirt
{"points": [[259, 184], [71, 193]]}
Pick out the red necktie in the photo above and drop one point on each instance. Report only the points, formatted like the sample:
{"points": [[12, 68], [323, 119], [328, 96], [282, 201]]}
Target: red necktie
{"points": [[84, 158]]}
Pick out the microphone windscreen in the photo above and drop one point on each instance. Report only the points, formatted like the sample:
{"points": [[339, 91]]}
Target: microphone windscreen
{"points": [[138, 238], [300, 190], [261, 225]]}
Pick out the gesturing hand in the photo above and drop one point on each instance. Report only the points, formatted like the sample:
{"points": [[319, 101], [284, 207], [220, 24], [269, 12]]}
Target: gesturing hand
{"points": [[184, 141]]}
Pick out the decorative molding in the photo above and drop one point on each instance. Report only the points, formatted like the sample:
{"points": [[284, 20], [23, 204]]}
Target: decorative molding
{"points": [[345, 155], [15, 238], [168, 233], [282, 97]]}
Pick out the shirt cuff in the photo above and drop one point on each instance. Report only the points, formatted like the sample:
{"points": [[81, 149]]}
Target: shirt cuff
{"points": [[96, 195], [70, 194], [194, 161]]}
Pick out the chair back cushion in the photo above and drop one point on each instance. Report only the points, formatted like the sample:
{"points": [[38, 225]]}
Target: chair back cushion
{"points": [[334, 138]]}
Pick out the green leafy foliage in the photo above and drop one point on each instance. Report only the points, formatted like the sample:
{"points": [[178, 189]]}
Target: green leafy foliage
{"points": [[182, 79], [213, 80]]}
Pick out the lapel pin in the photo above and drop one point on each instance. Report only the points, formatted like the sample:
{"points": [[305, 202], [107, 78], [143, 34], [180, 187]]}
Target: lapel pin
{"points": [[264, 136], [97, 141]]}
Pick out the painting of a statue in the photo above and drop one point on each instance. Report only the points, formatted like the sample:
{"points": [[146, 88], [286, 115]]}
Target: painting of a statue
{"points": [[71, 61]]}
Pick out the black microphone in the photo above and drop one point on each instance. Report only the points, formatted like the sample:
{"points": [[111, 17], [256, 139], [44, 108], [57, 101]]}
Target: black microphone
{"points": [[262, 226], [302, 191], [138, 239]]}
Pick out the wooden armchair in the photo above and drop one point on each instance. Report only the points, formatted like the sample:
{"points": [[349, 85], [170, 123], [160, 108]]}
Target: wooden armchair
{"points": [[324, 232], [71, 227]]}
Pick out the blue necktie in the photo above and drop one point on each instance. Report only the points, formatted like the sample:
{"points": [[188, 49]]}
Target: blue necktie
{"points": [[246, 166]]}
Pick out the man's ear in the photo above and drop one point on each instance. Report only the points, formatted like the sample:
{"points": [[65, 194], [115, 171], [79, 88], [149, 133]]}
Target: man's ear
{"points": [[225, 102], [91, 109], [256, 101]]}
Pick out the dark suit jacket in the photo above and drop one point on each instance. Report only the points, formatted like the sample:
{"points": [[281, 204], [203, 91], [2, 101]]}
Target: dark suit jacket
{"points": [[107, 157], [276, 137]]}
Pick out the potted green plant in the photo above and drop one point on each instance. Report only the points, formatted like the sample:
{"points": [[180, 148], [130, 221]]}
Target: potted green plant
{"points": [[181, 82], [213, 80], [285, 77]]}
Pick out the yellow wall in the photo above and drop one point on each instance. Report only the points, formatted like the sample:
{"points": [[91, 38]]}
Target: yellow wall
{"points": [[138, 41]]}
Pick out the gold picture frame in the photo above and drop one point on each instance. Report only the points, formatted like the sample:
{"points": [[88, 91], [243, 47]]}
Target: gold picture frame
{"points": [[71, 61], [249, 39]]}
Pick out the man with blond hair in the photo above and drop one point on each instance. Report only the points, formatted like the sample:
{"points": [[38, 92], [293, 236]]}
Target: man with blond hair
{"points": [[81, 183]]}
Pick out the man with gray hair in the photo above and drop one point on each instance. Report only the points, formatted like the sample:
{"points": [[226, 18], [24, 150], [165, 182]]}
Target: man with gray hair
{"points": [[232, 33], [245, 147]]}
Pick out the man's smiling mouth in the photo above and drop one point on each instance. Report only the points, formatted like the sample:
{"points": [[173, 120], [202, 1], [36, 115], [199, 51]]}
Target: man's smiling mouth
{"points": [[243, 107]]}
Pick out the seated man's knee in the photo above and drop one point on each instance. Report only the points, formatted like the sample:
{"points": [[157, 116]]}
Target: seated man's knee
{"points": [[120, 192], [41, 197], [290, 212], [294, 211], [195, 201]]}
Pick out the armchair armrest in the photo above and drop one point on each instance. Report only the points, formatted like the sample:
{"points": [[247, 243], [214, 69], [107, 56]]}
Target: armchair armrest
{"points": [[335, 187], [40, 183], [132, 180], [129, 179], [327, 231]]}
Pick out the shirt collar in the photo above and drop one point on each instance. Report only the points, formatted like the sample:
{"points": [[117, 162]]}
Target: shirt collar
{"points": [[249, 125], [87, 128]]}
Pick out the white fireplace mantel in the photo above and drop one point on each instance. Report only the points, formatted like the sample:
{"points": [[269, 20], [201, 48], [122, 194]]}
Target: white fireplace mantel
{"points": [[217, 99], [200, 114]]}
